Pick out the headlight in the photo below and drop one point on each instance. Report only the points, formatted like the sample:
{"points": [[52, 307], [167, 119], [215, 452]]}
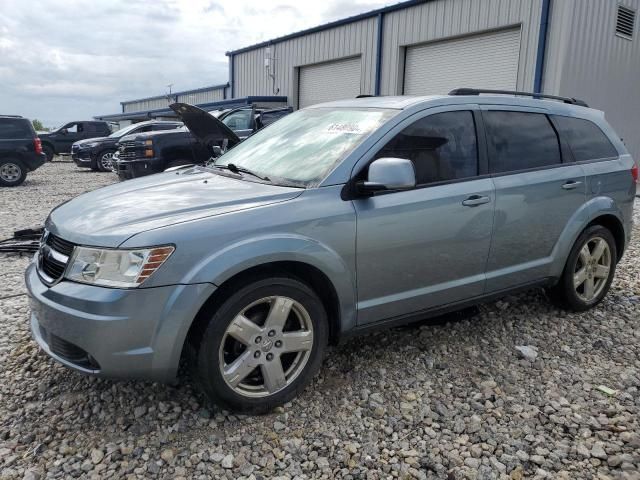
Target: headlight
{"points": [[115, 268], [88, 145]]}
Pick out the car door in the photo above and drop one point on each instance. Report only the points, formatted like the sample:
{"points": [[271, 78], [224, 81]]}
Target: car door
{"points": [[69, 134], [538, 191], [426, 247], [242, 122]]}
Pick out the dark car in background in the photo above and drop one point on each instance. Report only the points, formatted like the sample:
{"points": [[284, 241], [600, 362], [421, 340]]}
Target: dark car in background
{"points": [[20, 150], [59, 141], [154, 152], [96, 153]]}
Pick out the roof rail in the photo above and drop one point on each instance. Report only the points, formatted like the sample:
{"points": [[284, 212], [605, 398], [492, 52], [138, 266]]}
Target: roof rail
{"points": [[11, 116], [478, 91]]}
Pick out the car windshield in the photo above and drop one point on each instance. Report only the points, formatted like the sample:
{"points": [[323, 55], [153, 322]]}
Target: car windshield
{"points": [[124, 131], [302, 148]]}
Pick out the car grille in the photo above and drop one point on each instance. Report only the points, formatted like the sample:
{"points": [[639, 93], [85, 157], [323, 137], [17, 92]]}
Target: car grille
{"points": [[129, 151], [53, 257]]}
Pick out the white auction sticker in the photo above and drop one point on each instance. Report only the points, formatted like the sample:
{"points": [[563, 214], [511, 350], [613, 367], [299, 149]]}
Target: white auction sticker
{"points": [[344, 128]]}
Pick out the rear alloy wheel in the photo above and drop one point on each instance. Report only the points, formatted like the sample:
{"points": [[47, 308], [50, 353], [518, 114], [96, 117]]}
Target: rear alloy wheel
{"points": [[263, 345], [589, 270], [104, 161], [12, 173]]}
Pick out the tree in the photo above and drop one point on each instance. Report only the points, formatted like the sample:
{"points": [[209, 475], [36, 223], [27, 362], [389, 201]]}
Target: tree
{"points": [[38, 126]]}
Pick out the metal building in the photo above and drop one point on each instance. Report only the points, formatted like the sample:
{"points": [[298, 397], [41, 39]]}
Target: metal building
{"points": [[588, 49]]}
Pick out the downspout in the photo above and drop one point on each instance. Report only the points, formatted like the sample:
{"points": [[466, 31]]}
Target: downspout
{"points": [[542, 46], [231, 76], [379, 54]]}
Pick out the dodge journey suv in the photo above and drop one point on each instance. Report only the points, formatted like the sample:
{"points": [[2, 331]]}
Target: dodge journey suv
{"points": [[336, 219]]}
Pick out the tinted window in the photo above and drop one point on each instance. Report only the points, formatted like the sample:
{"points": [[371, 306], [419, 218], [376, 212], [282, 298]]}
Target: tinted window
{"points": [[238, 120], [585, 138], [164, 126], [441, 146], [520, 140], [15, 128], [91, 128]]}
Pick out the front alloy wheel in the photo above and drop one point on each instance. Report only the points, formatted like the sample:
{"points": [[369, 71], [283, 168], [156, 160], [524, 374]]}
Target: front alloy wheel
{"points": [[105, 161], [266, 346], [592, 269], [262, 345]]}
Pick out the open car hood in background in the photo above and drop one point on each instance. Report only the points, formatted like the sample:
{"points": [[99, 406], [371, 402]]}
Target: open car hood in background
{"points": [[203, 126]]}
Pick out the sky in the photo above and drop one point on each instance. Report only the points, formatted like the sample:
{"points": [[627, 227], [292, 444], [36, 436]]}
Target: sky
{"points": [[65, 60]]}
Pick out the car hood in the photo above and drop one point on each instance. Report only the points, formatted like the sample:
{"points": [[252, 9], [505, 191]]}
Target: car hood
{"points": [[109, 216], [93, 140], [205, 127]]}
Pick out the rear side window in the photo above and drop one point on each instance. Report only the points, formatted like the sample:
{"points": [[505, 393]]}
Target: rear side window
{"points": [[520, 140], [442, 147], [586, 140], [15, 128]]}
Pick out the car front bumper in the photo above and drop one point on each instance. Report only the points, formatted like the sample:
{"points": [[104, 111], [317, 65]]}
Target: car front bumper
{"points": [[82, 158], [128, 169], [123, 333]]}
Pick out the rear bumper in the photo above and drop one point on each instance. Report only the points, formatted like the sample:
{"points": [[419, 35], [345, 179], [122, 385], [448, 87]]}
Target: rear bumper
{"points": [[35, 161], [123, 333]]}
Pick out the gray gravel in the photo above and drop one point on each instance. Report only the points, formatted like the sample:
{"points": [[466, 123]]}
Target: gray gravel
{"points": [[443, 400]]}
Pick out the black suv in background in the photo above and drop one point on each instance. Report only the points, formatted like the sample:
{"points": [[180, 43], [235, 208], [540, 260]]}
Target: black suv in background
{"points": [[154, 152], [61, 139], [96, 153], [20, 150]]}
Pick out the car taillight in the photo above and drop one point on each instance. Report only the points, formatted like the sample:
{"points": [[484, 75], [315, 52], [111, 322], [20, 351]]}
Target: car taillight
{"points": [[634, 172], [37, 144]]}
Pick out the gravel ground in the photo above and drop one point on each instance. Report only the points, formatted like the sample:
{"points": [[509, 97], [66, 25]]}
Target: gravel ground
{"points": [[440, 400]]}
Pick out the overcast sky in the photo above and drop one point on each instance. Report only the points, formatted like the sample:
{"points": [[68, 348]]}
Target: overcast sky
{"points": [[64, 60]]}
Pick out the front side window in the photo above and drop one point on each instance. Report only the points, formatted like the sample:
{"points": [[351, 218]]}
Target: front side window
{"points": [[586, 140], [520, 140], [73, 128], [302, 148], [238, 120], [442, 147]]}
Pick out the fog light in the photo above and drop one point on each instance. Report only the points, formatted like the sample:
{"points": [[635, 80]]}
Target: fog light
{"points": [[148, 152]]}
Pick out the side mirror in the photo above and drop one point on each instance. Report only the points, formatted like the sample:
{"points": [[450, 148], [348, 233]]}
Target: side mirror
{"points": [[388, 174], [217, 150]]}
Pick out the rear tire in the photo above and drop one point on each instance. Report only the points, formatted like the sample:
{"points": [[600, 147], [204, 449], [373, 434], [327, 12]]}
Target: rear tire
{"points": [[262, 345], [589, 271], [48, 151], [12, 173]]}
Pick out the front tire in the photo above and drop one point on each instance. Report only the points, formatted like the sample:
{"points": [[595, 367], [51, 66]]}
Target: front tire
{"points": [[262, 345], [588, 272], [12, 173], [104, 161]]}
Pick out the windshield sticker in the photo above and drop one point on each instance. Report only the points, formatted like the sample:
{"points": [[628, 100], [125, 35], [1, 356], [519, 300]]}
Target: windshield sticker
{"points": [[344, 128]]}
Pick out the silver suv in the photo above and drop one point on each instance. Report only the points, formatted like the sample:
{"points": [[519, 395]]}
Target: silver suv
{"points": [[334, 220]]}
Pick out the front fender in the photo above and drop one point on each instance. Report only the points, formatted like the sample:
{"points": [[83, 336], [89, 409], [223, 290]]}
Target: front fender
{"points": [[223, 264], [589, 211]]}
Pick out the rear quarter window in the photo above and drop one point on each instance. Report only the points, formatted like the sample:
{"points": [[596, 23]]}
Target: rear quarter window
{"points": [[520, 141], [586, 140], [15, 128]]}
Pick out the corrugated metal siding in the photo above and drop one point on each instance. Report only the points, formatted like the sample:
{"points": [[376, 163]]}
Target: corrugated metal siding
{"points": [[328, 81], [202, 96], [358, 38], [585, 59], [443, 19], [437, 19], [487, 61]]}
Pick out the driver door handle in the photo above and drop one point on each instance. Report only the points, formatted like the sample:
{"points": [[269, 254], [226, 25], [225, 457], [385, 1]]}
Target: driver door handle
{"points": [[475, 200], [571, 184]]}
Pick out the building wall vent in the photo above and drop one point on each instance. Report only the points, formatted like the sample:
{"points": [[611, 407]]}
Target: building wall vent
{"points": [[625, 21]]}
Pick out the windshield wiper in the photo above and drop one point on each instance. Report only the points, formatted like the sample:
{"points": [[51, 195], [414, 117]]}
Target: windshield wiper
{"points": [[236, 169]]}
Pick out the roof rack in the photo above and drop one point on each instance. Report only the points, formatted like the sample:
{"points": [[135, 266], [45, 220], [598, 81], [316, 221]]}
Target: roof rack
{"points": [[478, 91], [11, 116]]}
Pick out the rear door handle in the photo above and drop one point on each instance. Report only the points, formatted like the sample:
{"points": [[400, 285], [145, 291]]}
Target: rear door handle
{"points": [[571, 184], [475, 200]]}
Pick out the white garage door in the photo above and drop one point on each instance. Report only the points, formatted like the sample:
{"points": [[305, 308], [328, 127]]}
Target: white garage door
{"points": [[329, 81], [480, 61]]}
